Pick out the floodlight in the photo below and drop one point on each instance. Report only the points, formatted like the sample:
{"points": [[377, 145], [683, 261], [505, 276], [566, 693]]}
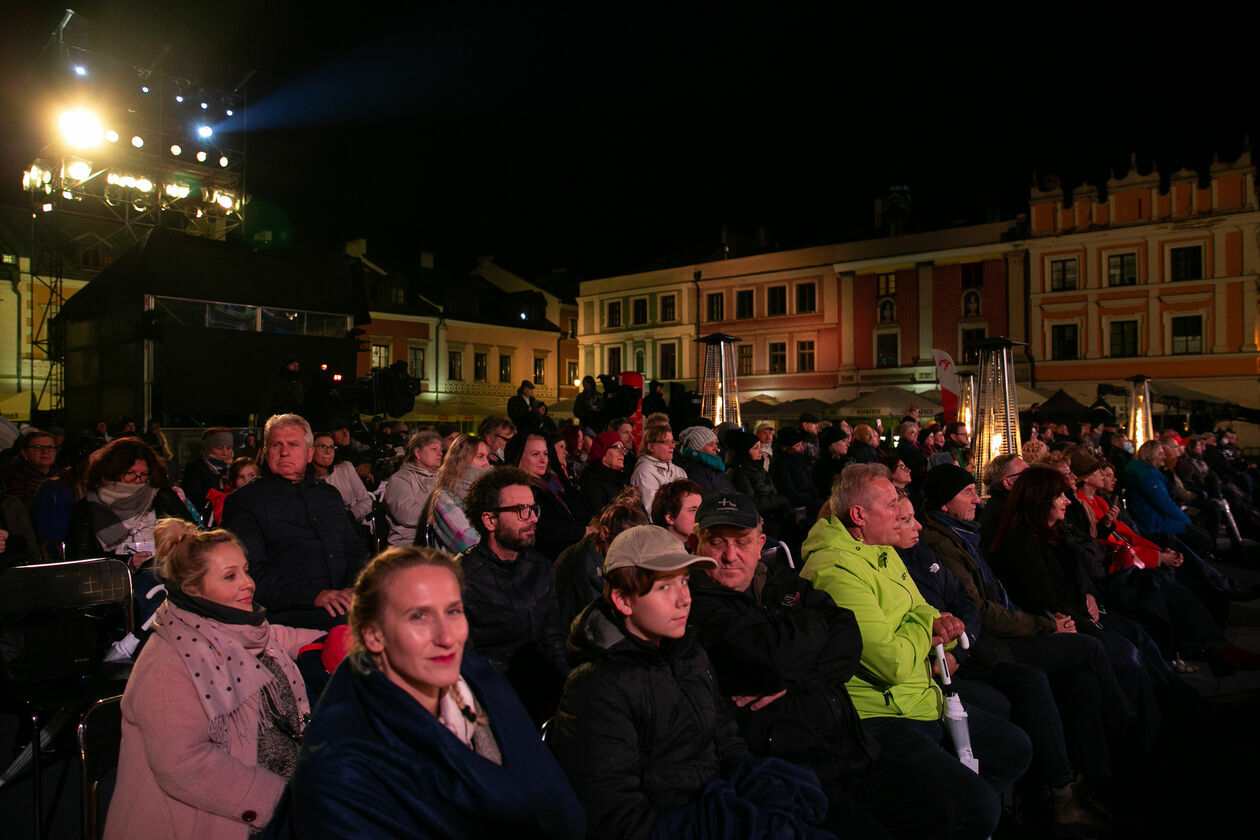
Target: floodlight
{"points": [[67, 194], [144, 185], [111, 136], [223, 161], [177, 190], [176, 150], [144, 88], [205, 105], [229, 112], [204, 131], [37, 178], [81, 128], [224, 200], [201, 157], [79, 170], [179, 97], [47, 208], [137, 141], [80, 70]]}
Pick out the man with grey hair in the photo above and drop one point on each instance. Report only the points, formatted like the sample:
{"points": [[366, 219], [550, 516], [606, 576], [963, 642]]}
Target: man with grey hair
{"points": [[303, 552], [849, 555]]}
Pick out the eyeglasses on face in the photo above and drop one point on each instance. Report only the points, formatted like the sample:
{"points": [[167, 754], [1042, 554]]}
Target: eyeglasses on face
{"points": [[42, 447], [522, 511], [325, 447], [132, 477]]}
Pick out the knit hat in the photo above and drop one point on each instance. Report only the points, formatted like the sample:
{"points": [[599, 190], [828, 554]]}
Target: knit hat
{"points": [[1083, 463], [830, 435], [809, 417], [944, 483], [650, 547], [740, 442], [600, 446], [789, 437], [216, 439], [727, 507], [697, 437]]}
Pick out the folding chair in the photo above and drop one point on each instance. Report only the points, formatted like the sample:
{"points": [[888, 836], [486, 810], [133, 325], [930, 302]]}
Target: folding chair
{"points": [[100, 735]]}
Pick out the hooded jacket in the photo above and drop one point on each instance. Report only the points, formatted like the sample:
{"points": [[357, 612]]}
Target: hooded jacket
{"points": [[894, 678], [1150, 503], [641, 729], [405, 497]]}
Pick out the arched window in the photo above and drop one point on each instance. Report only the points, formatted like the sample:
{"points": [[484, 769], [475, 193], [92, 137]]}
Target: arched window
{"points": [[887, 311], [971, 304]]}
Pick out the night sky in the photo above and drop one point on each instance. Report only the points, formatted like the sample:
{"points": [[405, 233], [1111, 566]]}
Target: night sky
{"points": [[604, 138]]}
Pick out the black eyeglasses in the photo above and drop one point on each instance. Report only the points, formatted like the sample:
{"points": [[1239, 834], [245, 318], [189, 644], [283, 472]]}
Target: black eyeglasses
{"points": [[522, 511]]}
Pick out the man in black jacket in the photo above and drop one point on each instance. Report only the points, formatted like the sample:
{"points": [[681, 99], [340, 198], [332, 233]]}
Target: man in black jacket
{"points": [[303, 552], [510, 591], [782, 651]]}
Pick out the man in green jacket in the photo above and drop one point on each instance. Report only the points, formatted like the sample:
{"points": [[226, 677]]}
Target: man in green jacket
{"points": [[849, 556]]}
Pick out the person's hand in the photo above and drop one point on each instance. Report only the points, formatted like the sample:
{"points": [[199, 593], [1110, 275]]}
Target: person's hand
{"points": [[1091, 606], [1171, 559], [950, 662], [1111, 514], [335, 601], [757, 702], [946, 628], [138, 559], [1064, 623]]}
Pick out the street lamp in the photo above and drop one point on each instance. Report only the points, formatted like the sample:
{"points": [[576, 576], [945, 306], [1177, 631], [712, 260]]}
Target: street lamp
{"points": [[1141, 428], [997, 410]]}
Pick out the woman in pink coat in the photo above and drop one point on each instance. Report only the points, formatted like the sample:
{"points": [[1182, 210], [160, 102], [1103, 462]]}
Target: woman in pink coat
{"points": [[215, 706]]}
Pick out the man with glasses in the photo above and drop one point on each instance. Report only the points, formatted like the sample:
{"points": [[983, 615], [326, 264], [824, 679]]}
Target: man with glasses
{"points": [[496, 432], [303, 552], [31, 469], [510, 591], [999, 477]]}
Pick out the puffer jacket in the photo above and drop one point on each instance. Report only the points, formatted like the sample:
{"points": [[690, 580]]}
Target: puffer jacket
{"points": [[791, 477], [599, 485], [894, 678], [750, 479], [704, 469], [1150, 503], [650, 474], [784, 634], [641, 729]]}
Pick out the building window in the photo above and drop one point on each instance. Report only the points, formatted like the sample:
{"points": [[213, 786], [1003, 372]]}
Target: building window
{"points": [[743, 358], [540, 371], [415, 362], [887, 311], [614, 361], [716, 307], [805, 356], [638, 311], [573, 328], [480, 367], [776, 300], [1122, 270], [971, 304], [1186, 263], [380, 355], [887, 350], [398, 295], [972, 275], [1187, 335], [778, 357], [640, 365], [614, 314], [1124, 338], [669, 311], [455, 366], [1063, 275], [505, 368], [744, 303], [971, 353], [669, 362], [572, 371], [806, 298], [887, 284], [1063, 344]]}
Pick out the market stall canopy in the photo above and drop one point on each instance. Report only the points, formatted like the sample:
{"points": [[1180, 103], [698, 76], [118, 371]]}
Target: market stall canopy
{"points": [[1062, 407], [891, 401]]}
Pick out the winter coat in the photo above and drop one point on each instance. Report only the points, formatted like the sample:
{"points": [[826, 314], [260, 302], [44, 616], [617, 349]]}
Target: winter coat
{"points": [[405, 496], [1150, 503], [863, 453], [791, 476], [751, 480], [650, 474], [347, 482], [1041, 577], [826, 470], [198, 479], [599, 485], [579, 578], [894, 678], [912, 457], [81, 539], [561, 523], [298, 541], [172, 780], [706, 470], [375, 764], [784, 634], [641, 729]]}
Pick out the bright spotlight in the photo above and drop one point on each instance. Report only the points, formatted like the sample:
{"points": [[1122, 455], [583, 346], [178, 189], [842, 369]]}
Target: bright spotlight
{"points": [[205, 105], [80, 70], [201, 157], [204, 131], [179, 97], [144, 88], [144, 185], [177, 190], [224, 200], [47, 208], [137, 141], [79, 170], [223, 161], [229, 112], [81, 128], [176, 150], [111, 136]]}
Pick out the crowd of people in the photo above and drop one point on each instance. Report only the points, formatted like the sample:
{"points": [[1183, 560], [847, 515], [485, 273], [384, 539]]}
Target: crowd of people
{"points": [[592, 631]]}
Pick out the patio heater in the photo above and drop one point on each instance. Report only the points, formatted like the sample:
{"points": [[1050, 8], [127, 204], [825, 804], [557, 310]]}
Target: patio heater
{"points": [[1140, 423], [996, 410], [719, 390], [967, 400]]}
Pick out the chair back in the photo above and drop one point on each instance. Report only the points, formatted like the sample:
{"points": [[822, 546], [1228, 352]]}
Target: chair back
{"points": [[100, 735]]}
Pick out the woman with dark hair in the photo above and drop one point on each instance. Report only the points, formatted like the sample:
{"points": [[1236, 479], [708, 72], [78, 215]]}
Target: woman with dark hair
{"points": [[750, 478], [577, 448], [561, 519], [1036, 560], [240, 472], [127, 493], [414, 736], [465, 462]]}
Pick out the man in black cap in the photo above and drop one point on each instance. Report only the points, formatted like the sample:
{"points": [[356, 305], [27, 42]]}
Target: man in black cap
{"points": [[782, 652], [809, 436], [654, 401], [520, 408]]}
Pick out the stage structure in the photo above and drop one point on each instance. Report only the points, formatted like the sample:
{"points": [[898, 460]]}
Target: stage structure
{"points": [[126, 149]]}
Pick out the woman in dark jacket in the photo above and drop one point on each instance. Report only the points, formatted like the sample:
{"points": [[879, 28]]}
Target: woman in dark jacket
{"points": [[698, 457], [643, 731], [833, 457], [605, 474], [750, 477], [562, 518], [791, 475]]}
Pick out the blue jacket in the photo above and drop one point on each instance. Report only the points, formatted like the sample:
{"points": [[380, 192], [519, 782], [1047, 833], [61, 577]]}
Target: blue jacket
{"points": [[1150, 503], [375, 764]]}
